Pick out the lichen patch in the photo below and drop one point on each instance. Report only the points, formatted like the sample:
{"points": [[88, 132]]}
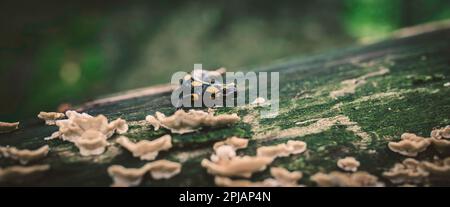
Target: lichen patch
{"points": [[187, 155], [91, 142], [438, 167], [228, 182], [441, 145], [235, 142], [284, 177], [319, 126], [126, 177], [349, 86]]}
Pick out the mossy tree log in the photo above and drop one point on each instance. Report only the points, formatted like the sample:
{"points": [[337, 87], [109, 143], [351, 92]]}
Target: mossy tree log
{"points": [[411, 97]]}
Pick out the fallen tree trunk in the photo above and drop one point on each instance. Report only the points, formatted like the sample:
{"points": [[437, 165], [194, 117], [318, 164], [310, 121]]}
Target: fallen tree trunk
{"points": [[339, 103]]}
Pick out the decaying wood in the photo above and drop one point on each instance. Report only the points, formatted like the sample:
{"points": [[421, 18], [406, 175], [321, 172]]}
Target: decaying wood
{"points": [[412, 97]]}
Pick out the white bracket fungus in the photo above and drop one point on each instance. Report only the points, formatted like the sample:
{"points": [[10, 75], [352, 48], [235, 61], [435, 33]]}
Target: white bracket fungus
{"points": [[125, 177], [6, 127], [228, 182], [441, 133], [441, 145], [439, 167], [237, 166], [282, 150], [160, 169], [409, 171], [87, 132], [224, 161], [284, 177], [281, 178], [51, 117], [19, 172], [410, 145], [145, 149], [235, 142], [91, 142], [340, 179], [441, 139], [348, 164], [163, 169], [185, 122], [24, 156]]}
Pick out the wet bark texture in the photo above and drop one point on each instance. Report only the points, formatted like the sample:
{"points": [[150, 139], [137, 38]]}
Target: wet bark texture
{"points": [[411, 97]]}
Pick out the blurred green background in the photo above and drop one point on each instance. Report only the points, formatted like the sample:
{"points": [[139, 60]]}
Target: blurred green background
{"points": [[54, 52]]}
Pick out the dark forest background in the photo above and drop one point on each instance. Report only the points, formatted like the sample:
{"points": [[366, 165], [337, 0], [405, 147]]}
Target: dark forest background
{"points": [[54, 52]]}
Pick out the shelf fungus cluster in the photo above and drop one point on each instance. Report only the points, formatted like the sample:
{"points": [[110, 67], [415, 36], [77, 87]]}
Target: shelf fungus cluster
{"points": [[234, 142], [341, 179], [441, 139], [412, 171], [224, 164], [24, 156], [409, 171], [228, 164], [6, 127], [51, 117], [127, 177], [145, 149], [410, 145], [19, 173], [182, 122], [280, 178], [281, 150], [87, 132], [348, 164], [438, 167]]}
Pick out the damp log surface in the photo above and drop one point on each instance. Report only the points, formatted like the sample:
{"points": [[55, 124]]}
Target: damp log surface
{"points": [[411, 97]]}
